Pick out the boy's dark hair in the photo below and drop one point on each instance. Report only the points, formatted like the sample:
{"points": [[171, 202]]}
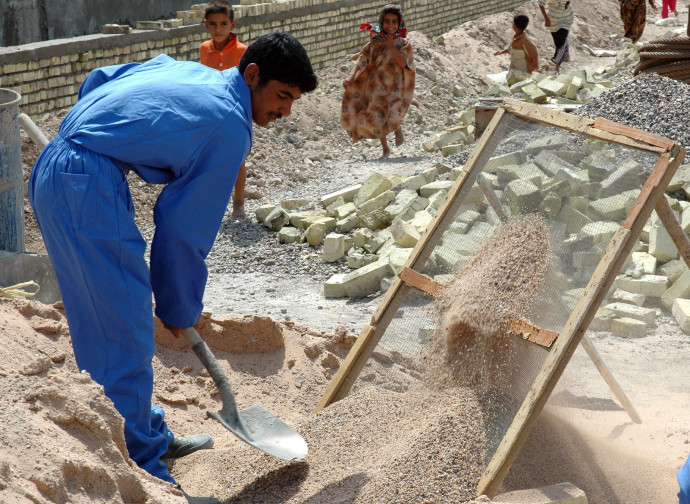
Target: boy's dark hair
{"points": [[521, 21], [390, 9], [219, 7], [282, 58]]}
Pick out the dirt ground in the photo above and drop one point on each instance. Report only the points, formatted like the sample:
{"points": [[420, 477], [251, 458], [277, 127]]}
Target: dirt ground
{"points": [[62, 439]]}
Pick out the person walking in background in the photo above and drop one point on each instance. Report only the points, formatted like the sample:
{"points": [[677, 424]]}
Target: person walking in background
{"points": [[379, 90], [558, 18], [222, 52], [523, 53], [634, 17], [666, 6]]}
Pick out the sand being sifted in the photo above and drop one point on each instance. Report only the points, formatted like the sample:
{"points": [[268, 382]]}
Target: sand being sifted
{"points": [[495, 286]]}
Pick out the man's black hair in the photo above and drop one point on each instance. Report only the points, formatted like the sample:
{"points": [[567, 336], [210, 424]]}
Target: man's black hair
{"points": [[280, 57], [521, 21], [219, 7]]}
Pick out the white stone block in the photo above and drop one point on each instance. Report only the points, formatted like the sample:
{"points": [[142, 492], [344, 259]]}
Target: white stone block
{"points": [[628, 328], [289, 235], [333, 247], [367, 279], [347, 194], [661, 245], [646, 315], [404, 234], [679, 289], [334, 287], [649, 285], [681, 312]]}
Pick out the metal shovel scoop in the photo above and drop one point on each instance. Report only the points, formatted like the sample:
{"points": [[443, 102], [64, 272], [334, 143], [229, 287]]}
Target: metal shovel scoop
{"points": [[254, 425]]}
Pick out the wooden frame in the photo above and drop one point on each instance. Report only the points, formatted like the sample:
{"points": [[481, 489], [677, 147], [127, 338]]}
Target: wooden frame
{"points": [[572, 333]]}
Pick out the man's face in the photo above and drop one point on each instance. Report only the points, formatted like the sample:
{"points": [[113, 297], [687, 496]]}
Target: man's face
{"points": [[271, 101]]}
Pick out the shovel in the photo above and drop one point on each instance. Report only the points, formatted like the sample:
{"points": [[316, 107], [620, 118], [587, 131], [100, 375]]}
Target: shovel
{"points": [[254, 425]]}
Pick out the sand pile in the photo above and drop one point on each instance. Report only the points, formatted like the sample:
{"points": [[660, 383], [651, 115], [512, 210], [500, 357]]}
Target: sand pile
{"points": [[494, 287]]}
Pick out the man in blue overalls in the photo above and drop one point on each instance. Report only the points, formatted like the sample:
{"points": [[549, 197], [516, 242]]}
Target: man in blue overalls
{"points": [[180, 124]]}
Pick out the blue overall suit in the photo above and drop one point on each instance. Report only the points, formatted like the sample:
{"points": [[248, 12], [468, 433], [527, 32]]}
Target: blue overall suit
{"points": [[684, 482], [175, 123]]}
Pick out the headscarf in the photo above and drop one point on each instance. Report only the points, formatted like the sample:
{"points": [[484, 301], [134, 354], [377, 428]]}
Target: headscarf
{"points": [[375, 31]]}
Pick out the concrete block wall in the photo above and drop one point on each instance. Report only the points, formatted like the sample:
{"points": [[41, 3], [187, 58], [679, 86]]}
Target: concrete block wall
{"points": [[48, 74]]}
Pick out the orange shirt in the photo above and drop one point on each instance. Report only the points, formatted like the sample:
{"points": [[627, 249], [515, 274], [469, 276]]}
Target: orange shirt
{"points": [[226, 58]]}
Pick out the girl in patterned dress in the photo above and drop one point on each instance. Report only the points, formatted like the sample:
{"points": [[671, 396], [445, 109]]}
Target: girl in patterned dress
{"points": [[634, 17], [380, 87]]}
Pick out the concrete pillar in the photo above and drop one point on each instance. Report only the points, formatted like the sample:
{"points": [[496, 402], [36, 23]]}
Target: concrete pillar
{"points": [[12, 238]]}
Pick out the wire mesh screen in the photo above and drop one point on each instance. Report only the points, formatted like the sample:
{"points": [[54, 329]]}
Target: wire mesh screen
{"points": [[578, 191]]}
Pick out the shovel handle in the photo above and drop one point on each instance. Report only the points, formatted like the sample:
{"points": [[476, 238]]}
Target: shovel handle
{"points": [[209, 361]]}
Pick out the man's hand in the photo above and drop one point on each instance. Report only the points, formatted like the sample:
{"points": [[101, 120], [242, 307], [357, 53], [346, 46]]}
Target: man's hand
{"points": [[176, 331]]}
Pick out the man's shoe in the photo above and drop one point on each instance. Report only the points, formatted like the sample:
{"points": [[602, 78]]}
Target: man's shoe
{"points": [[182, 446]]}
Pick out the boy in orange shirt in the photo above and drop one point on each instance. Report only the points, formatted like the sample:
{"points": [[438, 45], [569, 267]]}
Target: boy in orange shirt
{"points": [[223, 52]]}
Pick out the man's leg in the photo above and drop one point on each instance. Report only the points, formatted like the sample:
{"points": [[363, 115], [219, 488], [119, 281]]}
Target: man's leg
{"points": [[98, 255], [238, 197]]}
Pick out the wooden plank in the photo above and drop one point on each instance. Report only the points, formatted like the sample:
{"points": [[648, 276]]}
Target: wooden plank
{"points": [[421, 282], [530, 332], [609, 379], [570, 336], [668, 218], [354, 353], [637, 134], [573, 123], [492, 198]]}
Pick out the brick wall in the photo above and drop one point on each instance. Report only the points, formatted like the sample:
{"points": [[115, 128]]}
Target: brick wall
{"points": [[48, 74]]}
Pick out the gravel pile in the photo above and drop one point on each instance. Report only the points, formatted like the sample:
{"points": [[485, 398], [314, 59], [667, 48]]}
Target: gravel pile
{"points": [[648, 102]]}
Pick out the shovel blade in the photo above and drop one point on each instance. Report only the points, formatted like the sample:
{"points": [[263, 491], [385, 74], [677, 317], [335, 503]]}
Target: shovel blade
{"points": [[263, 430]]}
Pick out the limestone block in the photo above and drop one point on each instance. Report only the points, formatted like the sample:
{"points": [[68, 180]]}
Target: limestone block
{"points": [[344, 210], [679, 289], [356, 258], [421, 220], [362, 236], [172, 23], [414, 182], [380, 201], [680, 178], [333, 247], [628, 328], [600, 164], [628, 297], [149, 25], [435, 201], [378, 241], [302, 220], [289, 235], [511, 158], [348, 194], [330, 209], [375, 185], [562, 493], [548, 142], [586, 259], [602, 320], [455, 173], [398, 256], [674, 269], [404, 234], [263, 211], [277, 219], [573, 219], [517, 86], [522, 196], [447, 257], [348, 223], [614, 207], [550, 163], [430, 174], [551, 205], [367, 279], [646, 315], [661, 245], [574, 157], [529, 171], [464, 221], [681, 312], [442, 185], [448, 150], [533, 94], [574, 86], [378, 219], [552, 87], [115, 28], [515, 75], [601, 232], [407, 201], [316, 233], [453, 136], [334, 287], [442, 168], [649, 285], [626, 176], [645, 262]]}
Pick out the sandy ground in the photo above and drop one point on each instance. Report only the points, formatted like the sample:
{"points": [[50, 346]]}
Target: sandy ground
{"points": [[62, 439]]}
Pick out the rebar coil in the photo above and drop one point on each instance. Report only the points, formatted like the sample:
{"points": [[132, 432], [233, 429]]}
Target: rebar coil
{"points": [[668, 57]]}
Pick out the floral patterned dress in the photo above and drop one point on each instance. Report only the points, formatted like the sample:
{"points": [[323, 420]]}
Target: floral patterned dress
{"points": [[377, 99]]}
